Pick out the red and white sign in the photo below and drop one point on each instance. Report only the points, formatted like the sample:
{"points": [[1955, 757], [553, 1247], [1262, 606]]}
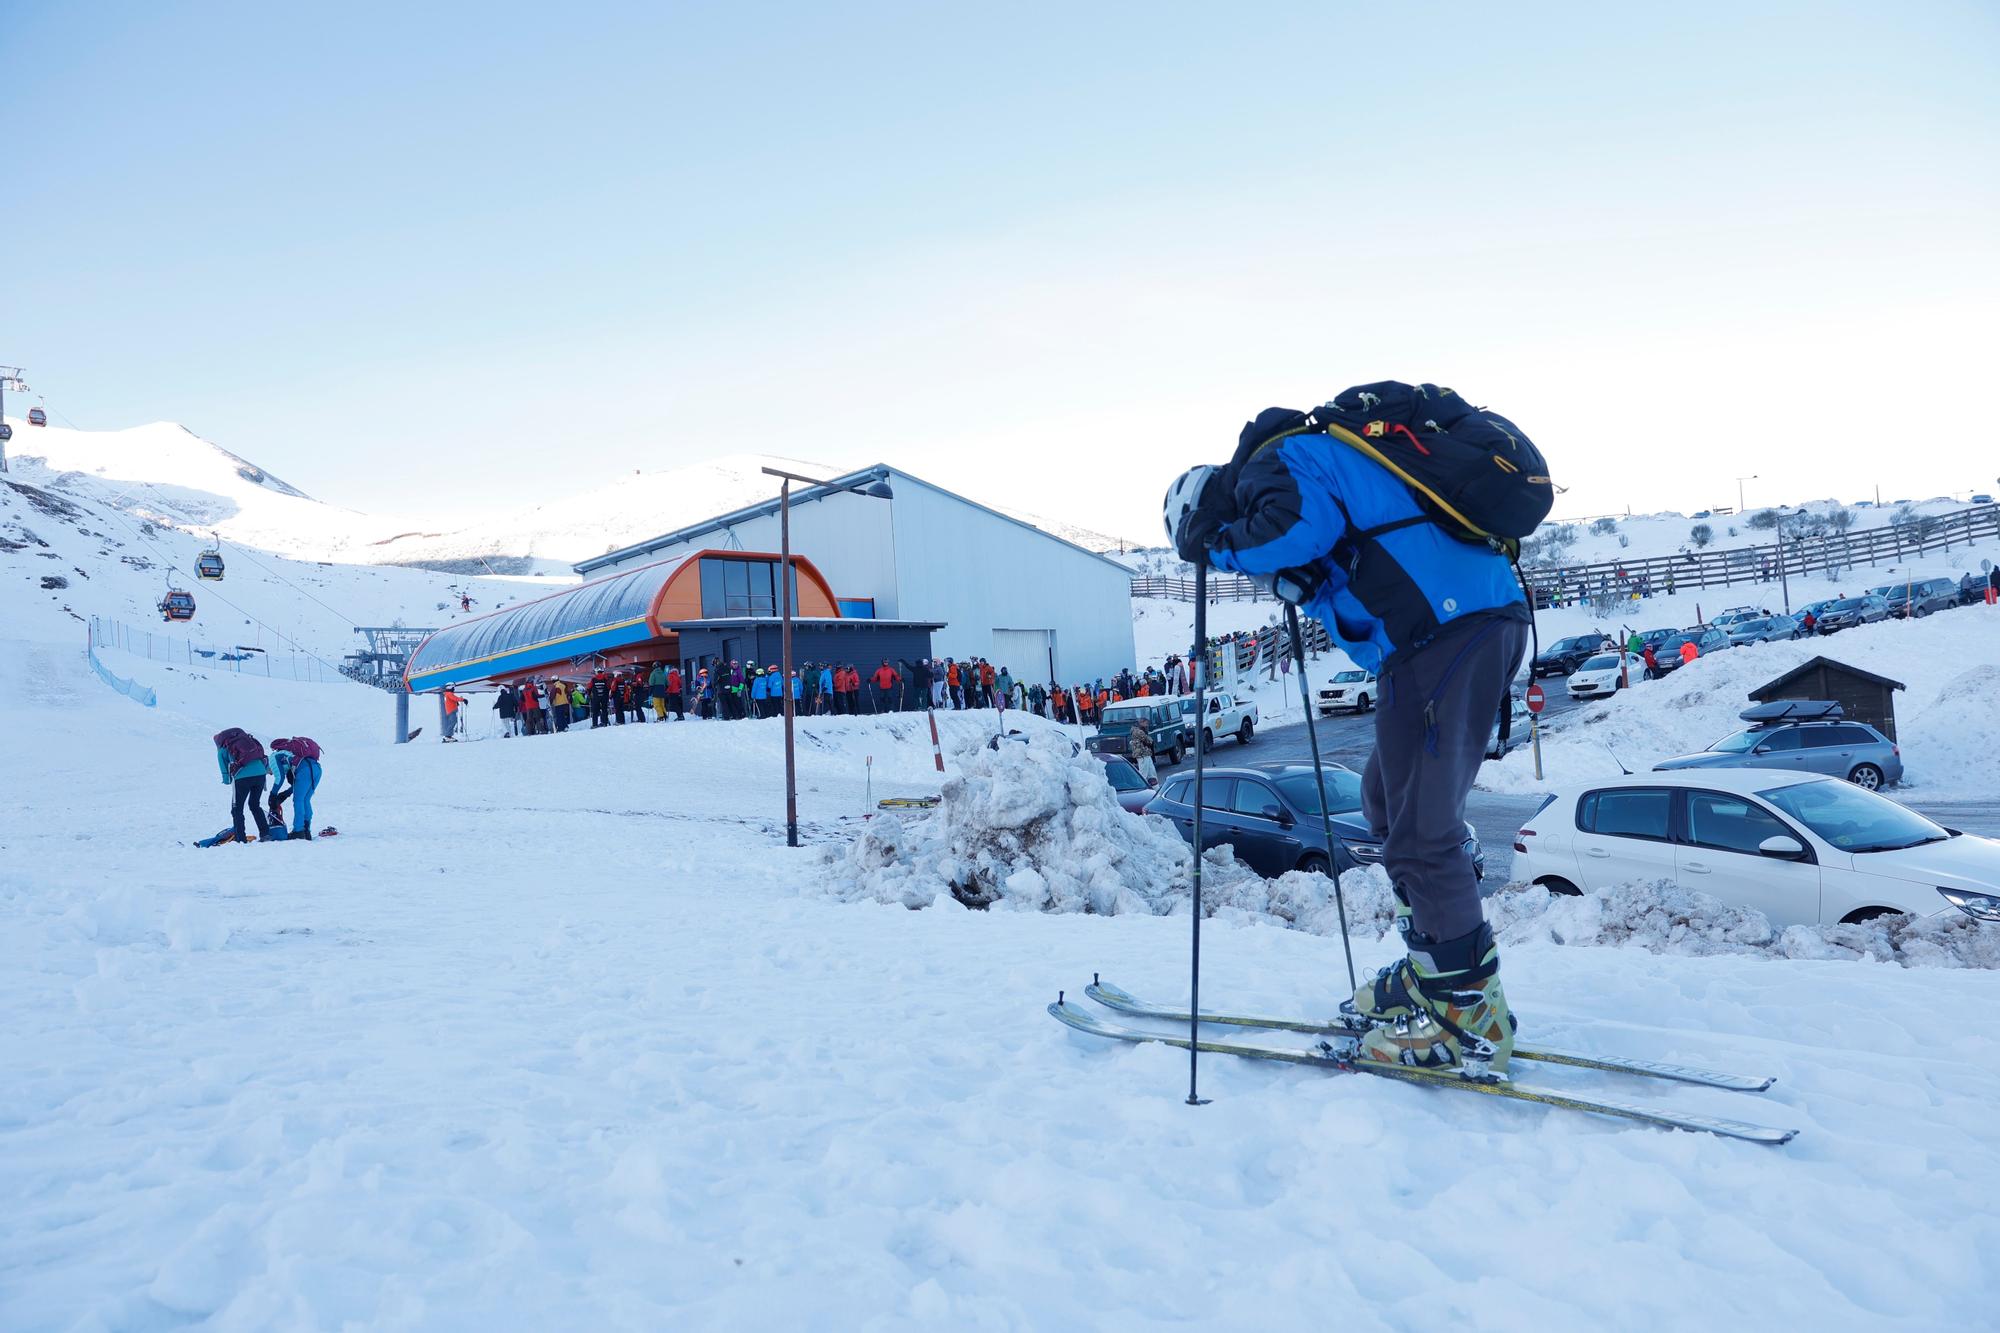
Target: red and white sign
{"points": [[1536, 699]]}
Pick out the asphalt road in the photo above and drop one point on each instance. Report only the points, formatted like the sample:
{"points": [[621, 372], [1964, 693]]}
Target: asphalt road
{"points": [[1347, 739]]}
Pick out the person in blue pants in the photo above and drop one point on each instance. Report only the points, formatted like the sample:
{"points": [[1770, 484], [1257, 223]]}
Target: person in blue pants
{"points": [[296, 760]]}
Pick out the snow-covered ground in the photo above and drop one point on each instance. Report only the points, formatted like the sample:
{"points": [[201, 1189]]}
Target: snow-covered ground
{"points": [[559, 1034], [1947, 720]]}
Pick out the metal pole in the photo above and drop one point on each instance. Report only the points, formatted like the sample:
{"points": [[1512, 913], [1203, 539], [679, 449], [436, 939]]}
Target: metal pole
{"points": [[1784, 577], [785, 674], [402, 716], [1200, 655], [1319, 775]]}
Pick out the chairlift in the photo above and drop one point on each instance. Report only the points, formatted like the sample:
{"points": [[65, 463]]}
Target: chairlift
{"points": [[178, 604], [37, 417], [209, 564]]}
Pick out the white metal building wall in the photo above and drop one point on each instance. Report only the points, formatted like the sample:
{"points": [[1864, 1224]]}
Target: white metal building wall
{"points": [[979, 572], [928, 555], [849, 537]]}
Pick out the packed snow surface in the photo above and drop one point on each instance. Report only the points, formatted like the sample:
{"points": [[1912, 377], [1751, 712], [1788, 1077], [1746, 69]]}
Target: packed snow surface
{"points": [[560, 1034]]}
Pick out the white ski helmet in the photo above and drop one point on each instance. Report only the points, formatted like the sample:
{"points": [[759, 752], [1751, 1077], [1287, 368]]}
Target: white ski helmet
{"points": [[1184, 497]]}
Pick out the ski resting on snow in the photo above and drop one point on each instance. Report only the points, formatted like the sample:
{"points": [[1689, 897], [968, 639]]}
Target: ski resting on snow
{"points": [[1339, 1058], [1112, 997]]}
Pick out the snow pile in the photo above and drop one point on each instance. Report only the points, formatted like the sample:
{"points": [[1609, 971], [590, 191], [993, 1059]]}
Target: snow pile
{"points": [[1033, 826], [1660, 916], [1948, 717]]}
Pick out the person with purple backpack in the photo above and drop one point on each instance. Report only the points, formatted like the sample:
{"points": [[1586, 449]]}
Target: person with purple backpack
{"points": [[296, 758], [241, 759]]}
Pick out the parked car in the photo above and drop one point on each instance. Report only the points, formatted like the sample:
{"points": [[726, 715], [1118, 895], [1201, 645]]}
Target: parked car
{"points": [[1226, 717], [1764, 629], [1851, 611], [1133, 790], [1565, 655], [1162, 717], [1919, 598], [1735, 615], [1706, 640], [1655, 637], [1597, 677], [1824, 744], [1982, 499], [1817, 610], [1800, 848], [1270, 815], [1519, 720], [1971, 588], [1353, 689]]}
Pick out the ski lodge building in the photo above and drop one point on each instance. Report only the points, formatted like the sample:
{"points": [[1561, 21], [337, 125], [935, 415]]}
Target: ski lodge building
{"points": [[884, 565]]}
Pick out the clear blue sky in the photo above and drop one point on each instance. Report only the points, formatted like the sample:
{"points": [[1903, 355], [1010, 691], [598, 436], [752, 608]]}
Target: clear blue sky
{"points": [[455, 257]]}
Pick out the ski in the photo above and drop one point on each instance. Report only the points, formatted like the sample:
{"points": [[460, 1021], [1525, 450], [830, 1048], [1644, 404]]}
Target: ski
{"points": [[1340, 1060], [1111, 997]]}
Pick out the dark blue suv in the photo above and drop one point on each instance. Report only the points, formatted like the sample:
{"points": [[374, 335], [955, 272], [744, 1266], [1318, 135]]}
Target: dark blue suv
{"points": [[1269, 814]]}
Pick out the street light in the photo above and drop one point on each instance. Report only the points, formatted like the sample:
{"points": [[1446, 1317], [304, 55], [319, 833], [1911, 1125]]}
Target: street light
{"points": [[1739, 490], [876, 489]]}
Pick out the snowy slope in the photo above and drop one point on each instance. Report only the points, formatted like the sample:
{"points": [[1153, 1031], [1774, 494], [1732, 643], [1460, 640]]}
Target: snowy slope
{"points": [[560, 1035], [65, 559]]}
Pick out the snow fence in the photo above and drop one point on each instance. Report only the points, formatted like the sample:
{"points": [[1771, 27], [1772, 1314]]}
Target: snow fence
{"points": [[131, 689]]}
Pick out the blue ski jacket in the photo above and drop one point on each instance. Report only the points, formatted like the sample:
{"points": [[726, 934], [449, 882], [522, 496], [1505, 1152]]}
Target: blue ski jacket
{"points": [[1310, 502], [256, 768]]}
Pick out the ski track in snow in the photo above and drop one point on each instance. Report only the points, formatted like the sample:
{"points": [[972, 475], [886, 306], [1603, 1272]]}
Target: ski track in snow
{"points": [[515, 1052]]}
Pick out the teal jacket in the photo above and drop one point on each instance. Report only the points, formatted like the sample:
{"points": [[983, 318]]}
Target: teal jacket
{"points": [[256, 768]]}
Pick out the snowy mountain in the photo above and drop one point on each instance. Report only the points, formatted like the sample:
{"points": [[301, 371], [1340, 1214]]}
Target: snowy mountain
{"points": [[166, 473]]}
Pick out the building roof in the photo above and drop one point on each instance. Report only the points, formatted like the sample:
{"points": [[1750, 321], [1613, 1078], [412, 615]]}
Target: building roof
{"points": [[802, 622], [1771, 687], [605, 614], [835, 486]]}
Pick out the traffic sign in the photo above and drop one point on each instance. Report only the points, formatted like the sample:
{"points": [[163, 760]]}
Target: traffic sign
{"points": [[1536, 699]]}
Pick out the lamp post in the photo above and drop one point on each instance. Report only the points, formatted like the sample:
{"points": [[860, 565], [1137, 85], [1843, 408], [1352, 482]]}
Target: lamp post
{"points": [[877, 489], [1739, 490]]}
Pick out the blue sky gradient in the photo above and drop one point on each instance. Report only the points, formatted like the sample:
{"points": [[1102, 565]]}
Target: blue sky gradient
{"points": [[451, 258]]}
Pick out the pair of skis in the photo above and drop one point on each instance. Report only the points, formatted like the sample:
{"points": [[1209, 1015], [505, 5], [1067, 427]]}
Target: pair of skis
{"points": [[1339, 1043]]}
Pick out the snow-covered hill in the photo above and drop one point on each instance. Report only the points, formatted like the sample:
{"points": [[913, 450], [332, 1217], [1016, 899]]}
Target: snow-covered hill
{"points": [[168, 474]]}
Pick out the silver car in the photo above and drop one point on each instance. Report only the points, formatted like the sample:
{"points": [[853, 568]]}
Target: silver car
{"points": [[1841, 749], [1851, 611], [1767, 629]]}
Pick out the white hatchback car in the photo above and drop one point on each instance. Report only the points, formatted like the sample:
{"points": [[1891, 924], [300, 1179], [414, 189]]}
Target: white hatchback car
{"points": [[1599, 676], [1803, 849]]}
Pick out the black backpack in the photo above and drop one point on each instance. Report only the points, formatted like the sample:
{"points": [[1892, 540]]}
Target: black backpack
{"points": [[1475, 474]]}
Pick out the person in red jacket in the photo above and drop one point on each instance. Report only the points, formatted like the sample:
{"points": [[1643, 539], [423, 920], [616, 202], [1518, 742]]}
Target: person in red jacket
{"points": [[675, 699], [531, 709], [885, 678]]}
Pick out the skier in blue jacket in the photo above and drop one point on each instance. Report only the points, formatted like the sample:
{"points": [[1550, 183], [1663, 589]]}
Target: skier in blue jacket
{"points": [[295, 762], [245, 768], [1443, 622]]}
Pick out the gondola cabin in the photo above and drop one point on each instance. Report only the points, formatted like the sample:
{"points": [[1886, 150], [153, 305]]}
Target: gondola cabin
{"points": [[178, 604], [209, 565], [37, 417]]}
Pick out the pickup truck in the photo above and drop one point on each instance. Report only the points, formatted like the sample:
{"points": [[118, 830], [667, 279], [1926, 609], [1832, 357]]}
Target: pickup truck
{"points": [[1226, 716]]}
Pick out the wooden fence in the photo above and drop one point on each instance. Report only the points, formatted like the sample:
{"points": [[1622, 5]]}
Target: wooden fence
{"points": [[1709, 567]]}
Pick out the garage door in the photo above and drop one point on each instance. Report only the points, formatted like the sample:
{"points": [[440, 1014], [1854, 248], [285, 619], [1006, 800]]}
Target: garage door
{"points": [[1027, 653]]}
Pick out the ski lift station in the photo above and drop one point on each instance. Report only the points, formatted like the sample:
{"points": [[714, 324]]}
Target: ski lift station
{"points": [[884, 565]]}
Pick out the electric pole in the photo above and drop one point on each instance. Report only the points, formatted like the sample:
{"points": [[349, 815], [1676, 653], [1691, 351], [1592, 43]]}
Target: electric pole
{"points": [[10, 378]]}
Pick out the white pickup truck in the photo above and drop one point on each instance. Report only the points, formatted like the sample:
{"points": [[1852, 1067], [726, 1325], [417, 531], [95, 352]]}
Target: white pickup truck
{"points": [[1227, 716]]}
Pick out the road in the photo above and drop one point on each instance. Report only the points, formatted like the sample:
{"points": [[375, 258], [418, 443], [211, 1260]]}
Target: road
{"points": [[1346, 739]]}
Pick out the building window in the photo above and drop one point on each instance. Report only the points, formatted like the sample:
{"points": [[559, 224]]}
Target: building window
{"points": [[742, 588]]}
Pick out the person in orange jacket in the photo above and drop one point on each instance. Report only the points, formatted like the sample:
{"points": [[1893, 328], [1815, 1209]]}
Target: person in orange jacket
{"points": [[453, 701], [1059, 704], [986, 678], [885, 678], [954, 691], [1689, 652]]}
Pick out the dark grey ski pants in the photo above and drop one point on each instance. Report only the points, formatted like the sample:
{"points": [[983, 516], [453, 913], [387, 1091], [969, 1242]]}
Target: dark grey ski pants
{"points": [[1436, 711]]}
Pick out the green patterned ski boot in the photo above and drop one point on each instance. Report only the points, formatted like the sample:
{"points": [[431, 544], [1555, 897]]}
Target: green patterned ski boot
{"points": [[1457, 1016], [1382, 998]]}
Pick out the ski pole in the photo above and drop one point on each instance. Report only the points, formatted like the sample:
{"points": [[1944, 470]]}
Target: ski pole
{"points": [[1319, 776], [1194, 1098]]}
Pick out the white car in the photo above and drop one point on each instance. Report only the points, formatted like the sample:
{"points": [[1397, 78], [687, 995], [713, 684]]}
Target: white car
{"points": [[1598, 677], [1353, 689], [1803, 849]]}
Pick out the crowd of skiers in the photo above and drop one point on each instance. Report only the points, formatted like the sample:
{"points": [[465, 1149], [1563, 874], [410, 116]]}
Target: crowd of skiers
{"points": [[291, 767], [736, 690]]}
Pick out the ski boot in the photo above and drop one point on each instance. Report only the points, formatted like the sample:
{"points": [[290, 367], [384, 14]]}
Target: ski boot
{"points": [[1381, 999], [1453, 1012]]}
